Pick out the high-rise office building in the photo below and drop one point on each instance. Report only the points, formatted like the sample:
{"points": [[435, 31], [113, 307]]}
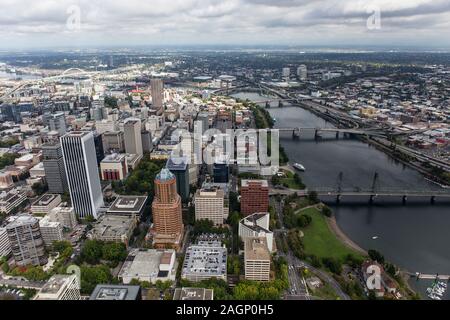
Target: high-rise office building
{"points": [[257, 226], [302, 72], [203, 119], [26, 241], [179, 167], [114, 141], [166, 207], [55, 173], [257, 259], [57, 122], [157, 95], [114, 167], [99, 150], [5, 246], [254, 196], [51, 231], [221, 172], [133, 138], [82, 173], [286, 73], [147, 144], [60, 287], [210, 205], [64, 215]]}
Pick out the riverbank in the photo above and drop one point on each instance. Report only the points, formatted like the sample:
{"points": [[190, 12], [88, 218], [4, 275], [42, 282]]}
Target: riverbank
{"points": [[387, 150], [412, 236], [332, 224], [394, 153], [322, 241]]}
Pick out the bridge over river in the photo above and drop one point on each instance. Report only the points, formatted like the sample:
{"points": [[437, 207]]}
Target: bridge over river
{"points": [[371, 195]]}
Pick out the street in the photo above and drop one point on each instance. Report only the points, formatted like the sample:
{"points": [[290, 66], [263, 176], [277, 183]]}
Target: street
{"points": [[298, 288]]}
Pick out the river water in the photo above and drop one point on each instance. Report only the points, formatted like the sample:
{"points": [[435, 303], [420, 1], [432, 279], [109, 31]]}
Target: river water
{"points": [[415, 237], [13, 76]]}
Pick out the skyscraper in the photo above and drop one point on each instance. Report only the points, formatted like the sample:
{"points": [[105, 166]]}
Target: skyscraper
{"points": [[180, 169], [254, 196], [157, 95], [286, 72], [302, 72], [133, 138], [99, 150], [55, 173], [210, 205], [57, 122], [82, 173], [147, 144], [26, 241], [166, 207], [256, 259]]}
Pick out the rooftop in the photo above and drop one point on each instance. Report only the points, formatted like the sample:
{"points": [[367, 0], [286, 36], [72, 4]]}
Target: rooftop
{"points": [[193, 294], [112, 226], [115, 292], [45, 200], [144, 263], [256, 249], [165, 175], [128, 204], [115, 157], [54, 286], [212, 192], [177, 163], [20, 220], [255, 222], [246, 183], [205, 260]]}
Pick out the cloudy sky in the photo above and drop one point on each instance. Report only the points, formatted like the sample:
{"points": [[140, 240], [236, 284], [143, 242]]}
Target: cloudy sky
{"points": [[78, 23]]}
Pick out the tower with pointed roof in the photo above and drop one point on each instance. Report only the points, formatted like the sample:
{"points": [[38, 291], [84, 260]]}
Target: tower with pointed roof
{"points": [[166, 208]]}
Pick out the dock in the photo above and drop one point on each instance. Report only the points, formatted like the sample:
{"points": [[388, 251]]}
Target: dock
{"points": [[423, 276]]}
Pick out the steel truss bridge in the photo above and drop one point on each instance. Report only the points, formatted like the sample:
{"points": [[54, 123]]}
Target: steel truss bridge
{"points": [[371, 193]]}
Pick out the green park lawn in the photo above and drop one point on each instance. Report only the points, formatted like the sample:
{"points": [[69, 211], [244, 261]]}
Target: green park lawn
{"points": [[320, 240], [290, 182]]}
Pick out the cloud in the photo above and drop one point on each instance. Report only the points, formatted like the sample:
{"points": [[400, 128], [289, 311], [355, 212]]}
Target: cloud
{"points": [[118, 22]]}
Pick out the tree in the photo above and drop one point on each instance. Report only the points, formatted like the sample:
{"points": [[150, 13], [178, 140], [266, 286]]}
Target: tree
{"points": [[5, 267], [61, 246], [39, 188], [377, 256], [92, 251], [353, 261], [298, 181], [9, 142], [333, 265], [390, 269], [234, 202], [111, 102], [313, 197], [234, 218], [8, 159], [303, 220], [276, 180], [114, 252], [92, 276], [326, 211], [315, 261], [163, 285]]}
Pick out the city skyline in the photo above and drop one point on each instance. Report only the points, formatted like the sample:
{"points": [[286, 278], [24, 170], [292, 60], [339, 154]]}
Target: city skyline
{"points": [[225, 150]]}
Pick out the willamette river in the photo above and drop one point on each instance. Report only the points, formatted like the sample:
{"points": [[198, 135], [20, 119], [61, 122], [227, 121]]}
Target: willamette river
{"points": [[415, 236]]}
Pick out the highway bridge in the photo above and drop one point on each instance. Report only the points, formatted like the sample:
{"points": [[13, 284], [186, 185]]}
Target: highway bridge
{"points": [[72, 72], [371, 195], [297, 132]]}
